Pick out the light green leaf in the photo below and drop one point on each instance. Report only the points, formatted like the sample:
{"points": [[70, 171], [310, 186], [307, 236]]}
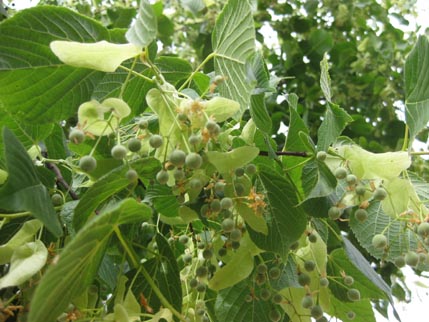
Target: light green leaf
{"points": [[229, 275], [286, 222], [25, 234], [228, 161], [259, 113], [317, 180], [79, 261], [26, 261], [400, 239], [162, 315], [145, 28], [325, 79], [3, 176], [255, 221], [334, 122], [108, 185], [220, 108], [363, 310], [233, 42], [417, 91], [23, 190], [32, 76], [368, 165], [102, 55]]}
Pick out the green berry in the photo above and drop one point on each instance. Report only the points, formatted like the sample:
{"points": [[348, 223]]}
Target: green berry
{"points": [[239, 172], [353, 294], [178, 175], [228, 225], [183, 239], [131, 175], [411, 258], [309, 265], [379, 241], [193, 160], [177, 157], [265, 294], [219, 187], [119, 152], [195, 184], [360, 190], [57, 199], [334, 213], [312, 238], [182, 117], [322, 319], [304, 279], [274, 315], [423, 229], [261, 279], [235, 244], [76, 136], [215, 205], [361, 215], [226, 203], [155, 141], [274, 273], [201, 287], [251, 169], [340, 173], [379, 194], [400, 261], [321, 156], [195, 139], [222, 252], [162, 177], [187, 258], [211, 126], [207, 253], [134, 145], [277, 298], [351, 315], [87, 163], [239, 189], [200, 312], [307, 301], [201, 271], [348, 280], [324, 282], [262, 269], [316, 312], [143, 124], [351, 179], [193, 283], [248, 298], [235, 235]]}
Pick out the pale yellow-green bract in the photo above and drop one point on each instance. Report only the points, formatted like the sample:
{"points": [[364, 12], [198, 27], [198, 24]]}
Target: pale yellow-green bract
{"points": [[102, 55]]}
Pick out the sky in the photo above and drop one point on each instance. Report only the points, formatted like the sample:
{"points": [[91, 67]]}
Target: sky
{"points": [[416, 309]]}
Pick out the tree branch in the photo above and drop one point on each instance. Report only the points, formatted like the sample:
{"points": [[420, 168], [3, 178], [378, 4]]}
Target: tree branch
{"points": [[60, 180]]}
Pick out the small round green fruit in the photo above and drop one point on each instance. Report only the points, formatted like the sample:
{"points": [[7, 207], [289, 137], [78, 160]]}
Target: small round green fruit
{"points": [[304, 279], [353, 294], [423, 229], [162, 177], [323, 282], [379, 194], [143, 124], [235, 235], [321, 156], [228, 225], [351, 315], [226, 203], [312, 238], [274, 273], [195, 139], [351, 179], [316, 312], [119, 152], [57, 199], [361, 215], [76, 136], [411, 258], [183, 239], [274, 315], [251, 169], [379, 241], [261, 268], [309, 265], [307, 301], [134, 145], [348, 280], [155, 141], [193, 160], [334, 213], [87, 163], [177, 157], [400, 261], [360, 190], [132, 175], [265, 294], [340, 173]]}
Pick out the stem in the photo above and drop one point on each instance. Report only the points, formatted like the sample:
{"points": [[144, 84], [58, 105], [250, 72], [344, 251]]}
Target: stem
{"points": [[158, 293], [16, 215], [196, 71], [128, 250], [420, 153], [405, 145], [137, 74], [60, 179], [124, 85], [289, 153]]}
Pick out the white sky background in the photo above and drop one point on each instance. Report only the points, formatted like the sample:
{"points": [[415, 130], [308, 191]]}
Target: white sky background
{"points": [[416, 309]]}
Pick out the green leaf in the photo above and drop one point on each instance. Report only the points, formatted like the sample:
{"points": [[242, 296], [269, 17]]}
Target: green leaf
{"points": [[417, 91], [25, 234], [400, 239], [231, 305], [32, 76], [144, 29], [228, 161], [228, 275], [286, 222], [165, 272], [255, 221], [317, 180], [259, 113], [334, 122], [102, 55], [163, 200], [108, 185], [26, 261], [363, 310], [221, 108], [233, 42], [80, 259], [23, 190]]}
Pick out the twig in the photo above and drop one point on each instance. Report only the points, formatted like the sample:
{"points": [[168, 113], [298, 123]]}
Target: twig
{"points": [[289, 153], [60, 180]]}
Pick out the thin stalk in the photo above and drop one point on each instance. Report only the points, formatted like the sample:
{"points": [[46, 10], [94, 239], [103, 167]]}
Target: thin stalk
{"points": [[124, 85], [16, 215], [137, 74], [420, 153], [128, 250], [196, 71], [406, 138]]}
